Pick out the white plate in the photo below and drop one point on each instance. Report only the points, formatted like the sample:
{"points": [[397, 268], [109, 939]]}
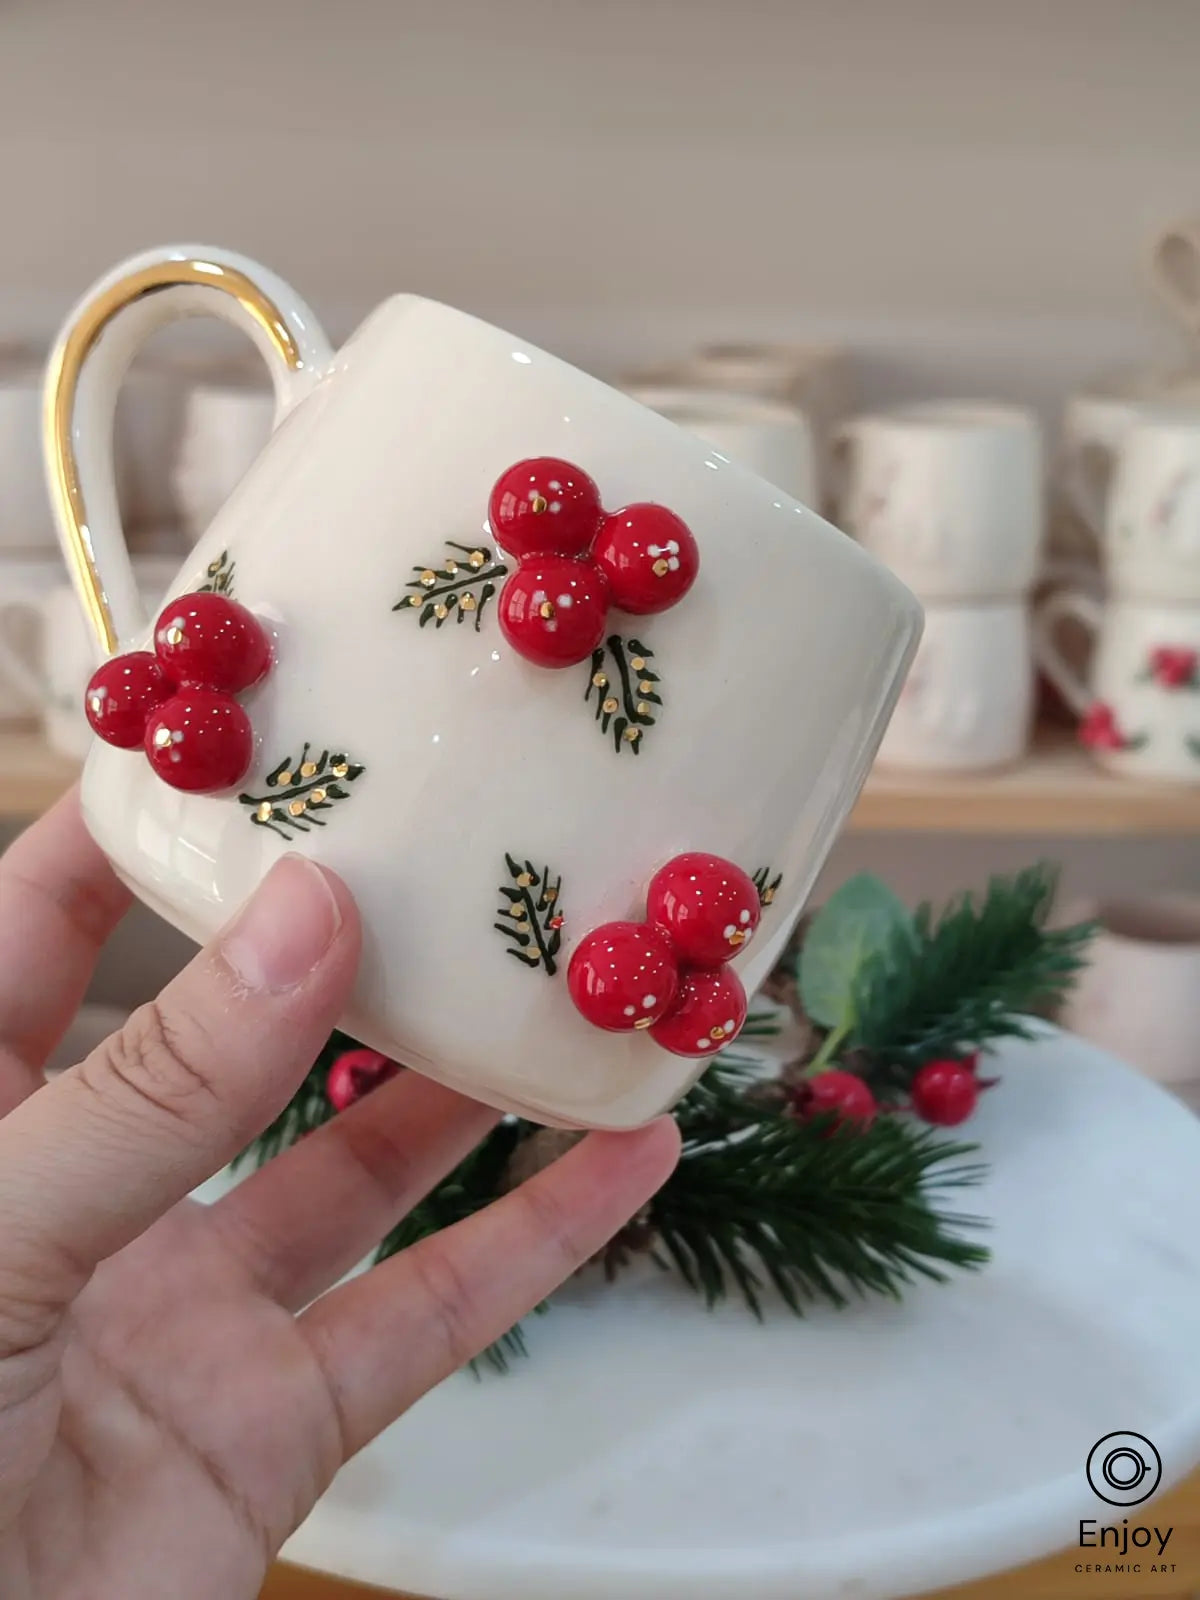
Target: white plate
{"points": [[650, 1449]]}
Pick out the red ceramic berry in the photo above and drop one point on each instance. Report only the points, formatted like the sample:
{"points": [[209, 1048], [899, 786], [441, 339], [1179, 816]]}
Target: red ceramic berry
{"points": [[1099, 729], [1173, 667], [545, 505], [709, 907], [212, 641], [354, 1074], [843, 1096], [553, 609], [708, 1013], [623, 976], [122, 693], [945, 1092], [649, 557], [200, 741]]}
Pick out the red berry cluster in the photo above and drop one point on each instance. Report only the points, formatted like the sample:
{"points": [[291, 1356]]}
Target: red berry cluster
{"points": [[354, 1074], [177, 702], [669, 974], [574, 560], [1100, 730], [944, 1093], [1174, 667]]}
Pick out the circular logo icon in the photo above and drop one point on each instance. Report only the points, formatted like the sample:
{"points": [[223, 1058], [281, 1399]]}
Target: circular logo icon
{"points": [[1124, 1468]]}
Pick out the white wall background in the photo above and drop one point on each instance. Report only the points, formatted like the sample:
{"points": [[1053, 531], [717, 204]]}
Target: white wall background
{"points": [[965, 190]]}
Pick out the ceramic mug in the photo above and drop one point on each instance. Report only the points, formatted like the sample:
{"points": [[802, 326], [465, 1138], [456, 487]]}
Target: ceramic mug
{"points": [[1175, 271], [1152, 540], [1139, 995], [48, 650], [224, 428], [948, 494], [1140, 700], [772, 439], [487, 812], [968, 701], [25, 581], [26, 523]]}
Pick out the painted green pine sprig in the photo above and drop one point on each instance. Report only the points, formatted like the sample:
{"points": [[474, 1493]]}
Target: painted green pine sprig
{"points": [[767, 885], [626, 690], [299, 792], [219, 576], [460, 588], [532, 917]]}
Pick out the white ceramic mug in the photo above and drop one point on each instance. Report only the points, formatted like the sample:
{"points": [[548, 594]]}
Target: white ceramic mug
{"points": [[968, 701], [1175, 271], [773, 439], [48, 651], [1140, 700], [1139, 995], [25, 582], [1152, 540], [446, 760], [948, 494], [26, 522], [225, 427]]}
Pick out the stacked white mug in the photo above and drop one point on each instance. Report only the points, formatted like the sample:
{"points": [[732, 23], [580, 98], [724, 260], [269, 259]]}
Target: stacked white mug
{"points": [[1139, 697], [949, 495]]}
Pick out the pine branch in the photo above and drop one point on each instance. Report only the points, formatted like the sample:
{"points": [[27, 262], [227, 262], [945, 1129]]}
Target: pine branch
{"points": [[534, 919], [219, 577], [626, 690], [300, 789], [821, 1214], [947, 984], [461, 587]]}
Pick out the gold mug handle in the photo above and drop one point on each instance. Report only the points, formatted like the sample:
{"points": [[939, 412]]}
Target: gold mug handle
{"points": [[86, 367]]}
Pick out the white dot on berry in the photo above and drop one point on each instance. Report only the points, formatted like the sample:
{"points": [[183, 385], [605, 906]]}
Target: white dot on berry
{"points": [[631, 1011], [703, 1044], [565, 600], [729, 1026], [555, 505], [555, 485], [673, 564], [649, 1000], [744, 917]]}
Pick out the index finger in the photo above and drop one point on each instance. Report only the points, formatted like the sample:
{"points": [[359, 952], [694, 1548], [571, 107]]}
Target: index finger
{"points": [[59, 903]]}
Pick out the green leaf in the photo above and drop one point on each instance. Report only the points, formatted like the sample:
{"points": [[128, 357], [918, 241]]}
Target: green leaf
{"points": [[852, 925]]}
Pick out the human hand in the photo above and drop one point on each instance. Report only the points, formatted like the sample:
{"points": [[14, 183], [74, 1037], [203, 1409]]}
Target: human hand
{"points": [[179, 1383]]}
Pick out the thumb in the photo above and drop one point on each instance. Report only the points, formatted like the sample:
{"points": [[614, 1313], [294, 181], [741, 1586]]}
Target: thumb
{"points": [[91, 1160]]}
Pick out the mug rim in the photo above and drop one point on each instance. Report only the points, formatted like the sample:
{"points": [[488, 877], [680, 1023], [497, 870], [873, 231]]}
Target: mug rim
{"points": [[953, 415], [691, 407]]}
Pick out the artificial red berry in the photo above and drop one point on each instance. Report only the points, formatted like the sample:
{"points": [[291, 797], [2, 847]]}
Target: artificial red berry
{"points": [[1173, 666], [1099, 729], [354, 1074], [200, 740], [553, 610], [211, 641], [545, 505], [649, 557], [709, 907], [623, 976], [708, 1013], [841, 1096], [122, 693], [945, 1092]]}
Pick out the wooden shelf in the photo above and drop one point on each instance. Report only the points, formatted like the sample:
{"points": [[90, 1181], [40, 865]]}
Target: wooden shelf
{"points": [[1057, 791]]}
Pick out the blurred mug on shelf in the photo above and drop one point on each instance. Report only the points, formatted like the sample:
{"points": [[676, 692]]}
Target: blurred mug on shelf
{"points": [[1152, 536], [1139, 995], [948, 494], [26, 523], [1175, 271], [225, 427], [47, 652], [25, 582], [1139, 699], [967, 703], [771, 438]]}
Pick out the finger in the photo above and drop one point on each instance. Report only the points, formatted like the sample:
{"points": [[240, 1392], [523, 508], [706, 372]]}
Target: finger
{"points": [[88, 1163], [59, 902], [384, 1339], [309, 1216]]}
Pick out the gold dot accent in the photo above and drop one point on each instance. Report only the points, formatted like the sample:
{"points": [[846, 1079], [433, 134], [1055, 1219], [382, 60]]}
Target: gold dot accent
{"points": [[611, 704], [600, 680], [643, 1022], [645, 686], [451, 565], [638, 663], [428, 578], [549, 896], [467, 603], [737, 937], [264, 811], [414, 599], [661, 567], [538, 504], [341, 769], [768, 896], [632, 735], [309, 769], [716, 1033], [284, 778], [476, 559], [162, 738], [643, 708], [175, 635], [518, 911], [316, 797], [441, 612], [524, 879], [296, 807], [546, 610]]}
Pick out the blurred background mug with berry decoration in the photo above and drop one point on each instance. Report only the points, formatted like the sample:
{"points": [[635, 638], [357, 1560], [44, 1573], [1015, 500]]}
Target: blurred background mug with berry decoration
{"points": [[1139, 702], [495, 643]]}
